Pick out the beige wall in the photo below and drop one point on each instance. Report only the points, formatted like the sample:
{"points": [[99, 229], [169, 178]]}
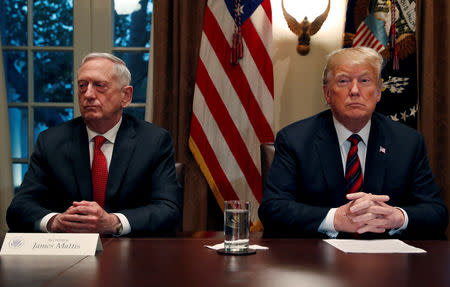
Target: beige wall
{"points": [[298, 89]]}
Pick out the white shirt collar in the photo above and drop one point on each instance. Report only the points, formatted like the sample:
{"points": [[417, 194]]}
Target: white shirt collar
{"points": [[343, 133], [109, 135]]}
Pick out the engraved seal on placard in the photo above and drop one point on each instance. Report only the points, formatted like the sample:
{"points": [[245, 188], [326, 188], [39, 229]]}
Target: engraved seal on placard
{"points": [[16, 242]]}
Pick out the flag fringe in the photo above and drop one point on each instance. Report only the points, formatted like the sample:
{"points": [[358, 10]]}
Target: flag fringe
{"points": [[255, 227], [206, 172]]}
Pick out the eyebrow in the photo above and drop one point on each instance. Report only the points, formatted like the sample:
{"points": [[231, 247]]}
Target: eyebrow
{"points": [[100, 81], [343, 74]]}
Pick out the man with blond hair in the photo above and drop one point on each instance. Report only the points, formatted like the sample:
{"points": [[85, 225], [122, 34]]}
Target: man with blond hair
{"points": [[350, 172]]}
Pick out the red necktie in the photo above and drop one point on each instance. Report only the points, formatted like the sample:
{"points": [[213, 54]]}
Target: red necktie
{"points": [[353, 171], [99, 172]]}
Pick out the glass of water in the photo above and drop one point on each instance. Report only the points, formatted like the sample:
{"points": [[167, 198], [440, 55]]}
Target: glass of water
{"points": [[236, 221]]}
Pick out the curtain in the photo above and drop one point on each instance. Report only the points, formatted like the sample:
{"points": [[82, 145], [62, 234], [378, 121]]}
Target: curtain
{"points": [[433, 34], [177, 29], [6, 185], [149, 99]]}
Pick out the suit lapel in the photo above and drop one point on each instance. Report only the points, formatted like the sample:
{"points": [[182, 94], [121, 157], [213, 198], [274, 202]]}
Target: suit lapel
{"points": [[124, 146], [377, 150], [79, 154], [327, 147]]}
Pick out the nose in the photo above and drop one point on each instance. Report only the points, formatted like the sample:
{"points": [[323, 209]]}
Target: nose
{"points": [[354, 88], [90, 92]]}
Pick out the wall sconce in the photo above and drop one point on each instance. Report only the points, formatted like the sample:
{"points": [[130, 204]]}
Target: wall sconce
{"points": [[126, 7], [305, 29]]}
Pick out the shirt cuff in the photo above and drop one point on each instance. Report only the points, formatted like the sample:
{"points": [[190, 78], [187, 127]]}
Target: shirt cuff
{"points": [[125, 224], [327, 225], [403, 227], [42, 224]]}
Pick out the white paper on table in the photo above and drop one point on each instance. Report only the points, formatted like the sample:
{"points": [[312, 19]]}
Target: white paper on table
{"points": [[221, 245], [373, 246]]}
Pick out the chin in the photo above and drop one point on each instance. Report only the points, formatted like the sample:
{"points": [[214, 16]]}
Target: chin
{"points": [[358, 117], [91, 116], [355, 113], [363, 119]]}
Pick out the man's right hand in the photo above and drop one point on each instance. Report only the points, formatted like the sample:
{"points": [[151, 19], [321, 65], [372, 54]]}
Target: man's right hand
{"points": [[56, 224], [343, 220]]}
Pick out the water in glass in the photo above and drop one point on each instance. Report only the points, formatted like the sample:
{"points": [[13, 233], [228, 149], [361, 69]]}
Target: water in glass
{"points": [[236, 228]]}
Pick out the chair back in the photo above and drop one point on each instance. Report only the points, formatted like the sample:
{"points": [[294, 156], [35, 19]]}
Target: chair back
{"points": [[267, 152], [179, 167]]}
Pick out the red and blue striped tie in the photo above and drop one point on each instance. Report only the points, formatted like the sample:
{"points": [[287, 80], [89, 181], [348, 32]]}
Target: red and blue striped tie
{"points": [[353, 171]]}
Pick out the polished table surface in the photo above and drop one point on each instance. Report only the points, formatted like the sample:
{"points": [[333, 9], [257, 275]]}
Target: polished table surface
{"points": [[184, 261]]}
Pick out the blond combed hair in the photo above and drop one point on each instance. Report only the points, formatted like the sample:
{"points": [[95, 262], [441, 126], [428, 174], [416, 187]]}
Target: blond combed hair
{"points": [[353, 56]]}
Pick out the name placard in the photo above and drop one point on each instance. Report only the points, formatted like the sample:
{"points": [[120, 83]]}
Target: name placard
{"points": [[51, 244]]}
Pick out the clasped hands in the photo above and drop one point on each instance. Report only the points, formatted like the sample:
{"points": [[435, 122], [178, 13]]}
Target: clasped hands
{"points": [[367, 213], [84, 217]]}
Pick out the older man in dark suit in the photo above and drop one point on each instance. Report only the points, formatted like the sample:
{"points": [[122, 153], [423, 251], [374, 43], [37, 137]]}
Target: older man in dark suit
{"points": [[104, 172], [350, 170]]}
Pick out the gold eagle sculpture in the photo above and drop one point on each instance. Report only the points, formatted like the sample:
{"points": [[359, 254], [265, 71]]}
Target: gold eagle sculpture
{"points": [[305, 29]]}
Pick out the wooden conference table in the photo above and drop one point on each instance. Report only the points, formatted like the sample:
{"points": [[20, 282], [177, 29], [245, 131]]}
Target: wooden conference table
{"points": [[183, 261]]}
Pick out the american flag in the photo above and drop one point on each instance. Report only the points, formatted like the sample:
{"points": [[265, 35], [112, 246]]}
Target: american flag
{"points": [[371, 33], [233, 99]]}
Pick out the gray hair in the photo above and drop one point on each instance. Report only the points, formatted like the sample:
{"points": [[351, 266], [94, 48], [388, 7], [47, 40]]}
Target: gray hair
{"points": [[354, 56], [120, 68]]}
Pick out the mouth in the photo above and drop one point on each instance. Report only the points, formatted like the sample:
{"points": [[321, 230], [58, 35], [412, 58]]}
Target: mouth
{"points": [[355, 105]]}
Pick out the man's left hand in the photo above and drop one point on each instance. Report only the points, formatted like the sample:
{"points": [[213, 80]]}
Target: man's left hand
{"points": [[375, 215]]}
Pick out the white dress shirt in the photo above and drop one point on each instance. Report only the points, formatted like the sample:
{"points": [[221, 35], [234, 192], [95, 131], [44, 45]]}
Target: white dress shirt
{"points": [[107, 149], [327, 225]]}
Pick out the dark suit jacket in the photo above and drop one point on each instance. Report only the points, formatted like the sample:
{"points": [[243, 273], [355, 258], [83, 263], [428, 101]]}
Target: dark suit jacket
{"points": [[306, 178], [142, 181]]}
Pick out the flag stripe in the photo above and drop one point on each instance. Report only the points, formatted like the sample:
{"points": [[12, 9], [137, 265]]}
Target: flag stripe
{"points": [[365, 37], [209, 156], [262, 23], [366, 40], [268, 9], [360, 33], [256, 48], [248, 64], [374, 44], [231, 99], [373, 41], [223, 153], [363, 34], [236, 76], [259, 88], [228, 129]]}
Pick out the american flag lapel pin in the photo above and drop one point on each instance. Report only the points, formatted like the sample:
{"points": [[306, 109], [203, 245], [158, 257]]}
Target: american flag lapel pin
{"points": [[382, 149]]}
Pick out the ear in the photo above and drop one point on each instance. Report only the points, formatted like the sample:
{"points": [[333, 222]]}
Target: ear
{"points": [[378, 94], [326, 94], [127, 93]]}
